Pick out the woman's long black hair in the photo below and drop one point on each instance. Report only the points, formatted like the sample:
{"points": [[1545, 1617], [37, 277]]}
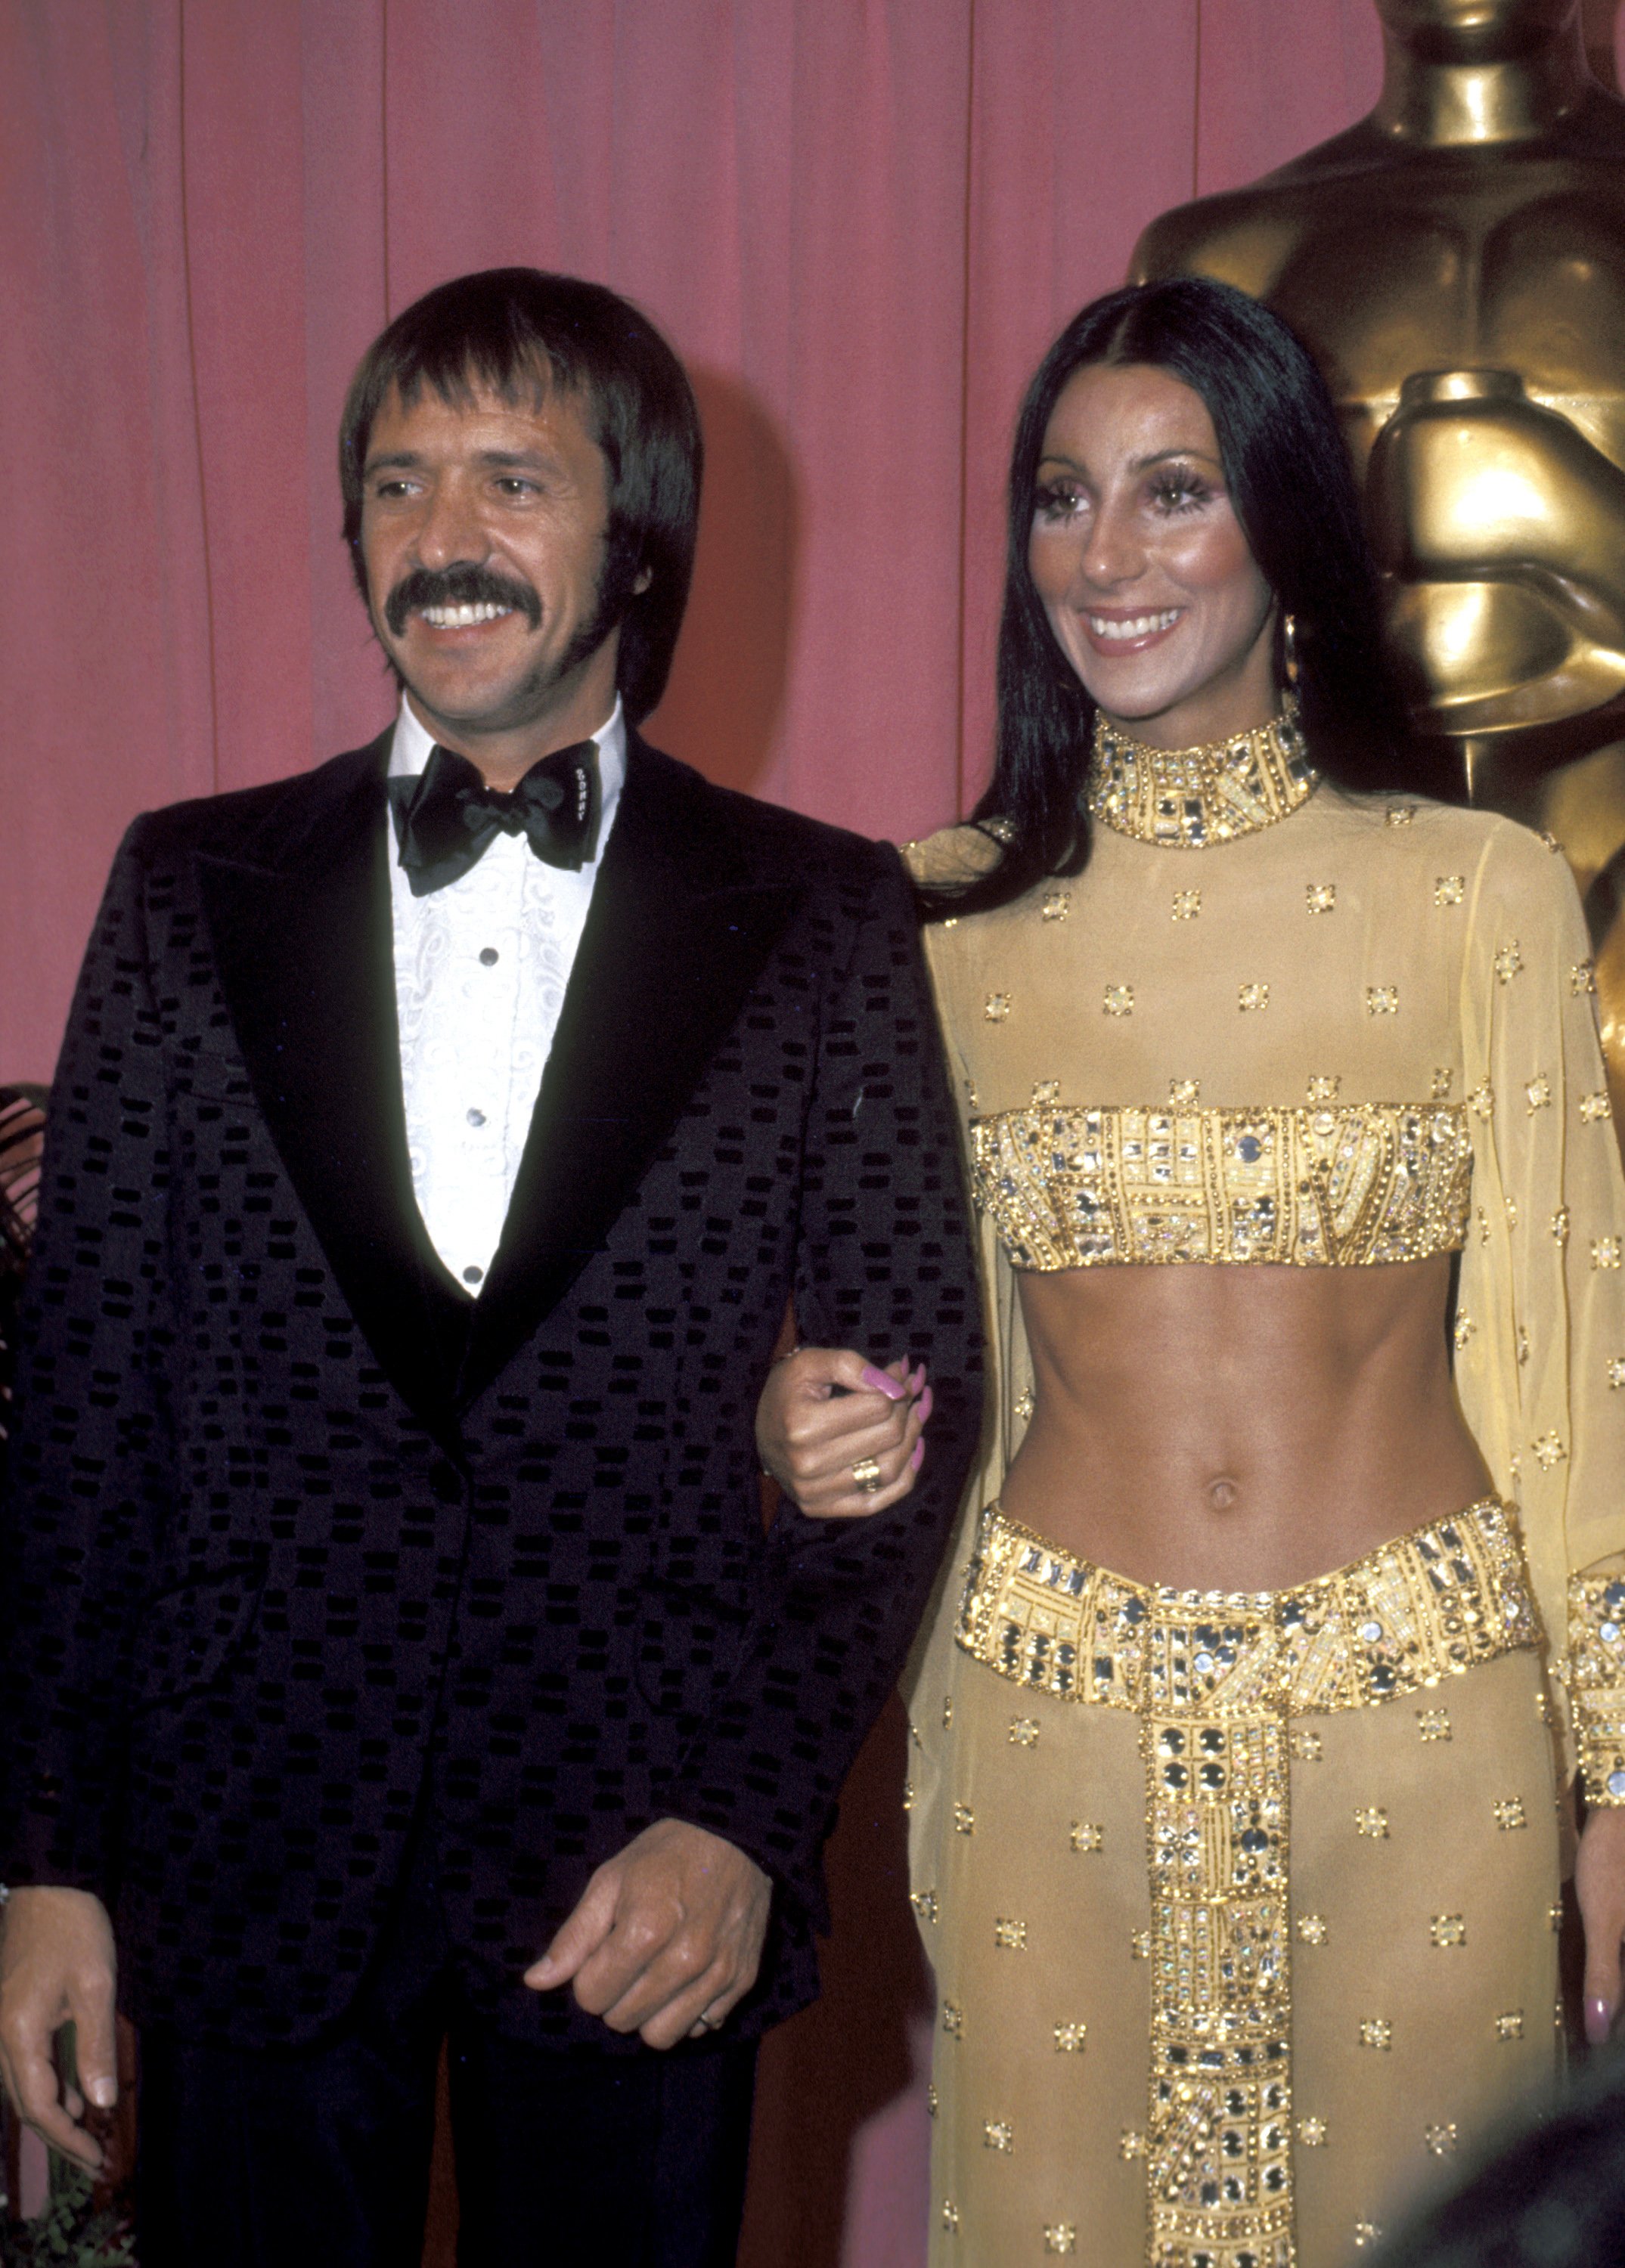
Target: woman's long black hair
{"points": [[1289, 481]]}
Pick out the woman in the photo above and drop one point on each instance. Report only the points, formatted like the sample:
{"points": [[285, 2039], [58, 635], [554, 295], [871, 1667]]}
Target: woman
{"points": [[1235, 1793]]}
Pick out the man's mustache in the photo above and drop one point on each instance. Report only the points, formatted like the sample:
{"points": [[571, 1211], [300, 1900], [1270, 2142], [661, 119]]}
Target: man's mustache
{"points": [[461, 584]]}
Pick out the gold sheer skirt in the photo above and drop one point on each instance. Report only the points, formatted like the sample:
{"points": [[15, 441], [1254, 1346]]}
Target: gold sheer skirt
{"points": [[1234, 1958]]}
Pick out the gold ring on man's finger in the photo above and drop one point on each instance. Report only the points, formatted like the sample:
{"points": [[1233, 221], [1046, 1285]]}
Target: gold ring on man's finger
{"points": [[866, 1472]]}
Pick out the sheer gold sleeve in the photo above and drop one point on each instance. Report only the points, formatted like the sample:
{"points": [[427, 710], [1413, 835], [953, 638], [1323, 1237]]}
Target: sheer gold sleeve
{"points": [[1541, 1319]]}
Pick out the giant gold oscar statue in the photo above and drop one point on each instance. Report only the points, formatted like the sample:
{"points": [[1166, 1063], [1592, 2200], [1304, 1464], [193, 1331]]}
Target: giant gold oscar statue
{"points": [[1457, 263]]}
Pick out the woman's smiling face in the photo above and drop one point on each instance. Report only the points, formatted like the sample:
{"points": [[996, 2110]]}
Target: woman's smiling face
{"points": [[1141, 564]]}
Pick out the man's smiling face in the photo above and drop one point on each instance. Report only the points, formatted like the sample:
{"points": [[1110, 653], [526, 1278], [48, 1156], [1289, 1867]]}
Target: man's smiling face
{"points": [[483, 536]]}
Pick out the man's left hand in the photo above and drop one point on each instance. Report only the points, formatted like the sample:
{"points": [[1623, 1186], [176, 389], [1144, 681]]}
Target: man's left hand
{"points": [[667, 1937]]}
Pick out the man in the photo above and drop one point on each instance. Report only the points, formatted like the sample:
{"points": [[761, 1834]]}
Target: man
{"points": [[391, 1638]]}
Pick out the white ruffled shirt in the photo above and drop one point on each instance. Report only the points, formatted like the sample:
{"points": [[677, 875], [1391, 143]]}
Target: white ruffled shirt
{"points": [[480, 971]]}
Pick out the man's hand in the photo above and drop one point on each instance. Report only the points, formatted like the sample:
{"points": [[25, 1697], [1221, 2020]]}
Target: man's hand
{"points": [[1600, 1885], [667, 1933], [57, 1966]]}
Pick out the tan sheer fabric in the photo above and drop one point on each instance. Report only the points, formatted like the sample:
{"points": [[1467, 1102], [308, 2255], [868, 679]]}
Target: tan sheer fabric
{"points": [[1362, 951], [1362, 956]]}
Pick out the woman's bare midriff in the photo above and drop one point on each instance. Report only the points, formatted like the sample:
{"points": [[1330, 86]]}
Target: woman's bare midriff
{"points": [[1239, 1428]]}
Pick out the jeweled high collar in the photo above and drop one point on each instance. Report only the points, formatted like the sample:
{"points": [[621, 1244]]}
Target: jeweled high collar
{"points": [[1185, 799]]}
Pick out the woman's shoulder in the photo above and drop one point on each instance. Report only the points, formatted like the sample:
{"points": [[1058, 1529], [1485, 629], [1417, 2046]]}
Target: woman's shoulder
{"points": [[1478, 842], [954, 857]]}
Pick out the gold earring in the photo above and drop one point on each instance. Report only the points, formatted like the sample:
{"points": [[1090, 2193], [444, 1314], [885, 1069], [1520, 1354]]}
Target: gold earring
{"points": [[1288, 650]]}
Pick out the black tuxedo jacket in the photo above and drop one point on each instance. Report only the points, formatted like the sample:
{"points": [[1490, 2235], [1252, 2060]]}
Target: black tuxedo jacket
{"points": [[299, 1544]]}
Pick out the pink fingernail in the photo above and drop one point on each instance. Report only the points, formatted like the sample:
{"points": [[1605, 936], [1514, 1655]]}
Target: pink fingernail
{"points": [[918, 1457], [1598, 2017], [877, 1383], [927, 1405]]}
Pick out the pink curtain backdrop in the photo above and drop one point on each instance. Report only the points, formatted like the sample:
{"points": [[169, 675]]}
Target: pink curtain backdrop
{"points": [[860, 221]]}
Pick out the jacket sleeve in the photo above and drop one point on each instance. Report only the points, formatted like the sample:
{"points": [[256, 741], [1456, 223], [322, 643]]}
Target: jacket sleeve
{"points": [[884, 1264], [90, 1466]]}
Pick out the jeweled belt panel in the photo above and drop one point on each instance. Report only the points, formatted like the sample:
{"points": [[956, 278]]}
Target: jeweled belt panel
{"points": [[1351, 1186]]}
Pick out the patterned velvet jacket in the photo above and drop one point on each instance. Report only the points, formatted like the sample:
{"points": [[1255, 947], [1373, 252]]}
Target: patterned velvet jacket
{"points": [[296, 1537]]}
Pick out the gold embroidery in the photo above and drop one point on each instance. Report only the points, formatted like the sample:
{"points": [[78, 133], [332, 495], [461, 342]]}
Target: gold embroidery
{"points": [[1551, 842], [1311, 2132], [953, 2021], [1555, 1916], [1061, 2236], [1119, 1001], [1382, 999], [1509, 1810], [1549, 1451], [1306, 1745], [998, 2134], [1447, 890], [1186, 904], [1139, 1945], [1509, 961], [924, 1903], [1366, 2232], [1605, 1252], [1320, 897], [1539, 1093], [1427, 1606], [1511, 1212], [1442, 2138], [1057, 904], [1009, 1936], [1133, 2144], [1433, 1724], [1583, 978], [1594, 1107], [1087, 1836], [1399, 815], [950, 2216], [996, 1007], [1023, 1732], [1510, 2026], [1323, 1086], [1616, 1371], [931, 2104], [1184, 799], [1448, 1930], [1024, 1405], [1214, 1677], [1596, 1683], [1442, 1081], [1069, 2038], [1372, 1821], [1462, 1330], [1251, 997], [964, 1819], [1369, 1184], [948, 1710], [1482, 1099], [1182, 1093], [1559, 1225], [908, 1795], [1045, 1092]]}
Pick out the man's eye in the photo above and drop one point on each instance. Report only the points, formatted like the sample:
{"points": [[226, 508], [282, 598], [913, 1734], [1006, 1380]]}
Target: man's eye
{"points": [[511, 484]]}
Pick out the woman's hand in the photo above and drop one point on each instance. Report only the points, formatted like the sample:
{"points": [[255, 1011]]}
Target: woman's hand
{"points": [[821, 1446], [1600, 1885]]}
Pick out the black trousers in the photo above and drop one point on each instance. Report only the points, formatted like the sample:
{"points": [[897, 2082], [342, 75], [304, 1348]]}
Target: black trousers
{"points": [[317, 2157]]}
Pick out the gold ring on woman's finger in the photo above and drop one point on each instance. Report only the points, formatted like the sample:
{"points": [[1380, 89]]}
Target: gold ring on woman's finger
{"points": [[866, 1472]]}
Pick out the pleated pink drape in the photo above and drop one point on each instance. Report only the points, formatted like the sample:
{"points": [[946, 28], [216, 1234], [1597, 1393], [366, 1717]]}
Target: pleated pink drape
{"points": [[859, 221]]}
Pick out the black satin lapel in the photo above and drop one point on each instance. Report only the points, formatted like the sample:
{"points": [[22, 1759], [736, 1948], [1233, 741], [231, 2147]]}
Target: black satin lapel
{"points": [[674, 941], [306, 957]]}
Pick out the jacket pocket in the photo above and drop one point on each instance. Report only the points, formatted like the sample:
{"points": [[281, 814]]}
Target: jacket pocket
{"points": [[189, 1634]]}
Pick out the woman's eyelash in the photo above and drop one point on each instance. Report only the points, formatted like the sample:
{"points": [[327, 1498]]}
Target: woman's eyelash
{"points": [[1052, 498], [1178, 489]]}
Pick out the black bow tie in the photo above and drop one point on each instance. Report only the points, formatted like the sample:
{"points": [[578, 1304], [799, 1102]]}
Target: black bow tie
{"points": [[449, 818]]}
